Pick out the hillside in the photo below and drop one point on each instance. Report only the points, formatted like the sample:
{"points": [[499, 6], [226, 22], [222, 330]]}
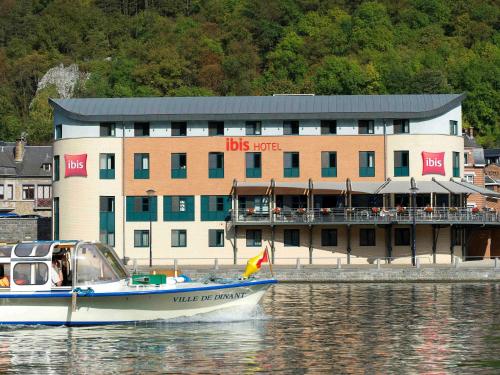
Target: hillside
{"points": [[249, 47]]}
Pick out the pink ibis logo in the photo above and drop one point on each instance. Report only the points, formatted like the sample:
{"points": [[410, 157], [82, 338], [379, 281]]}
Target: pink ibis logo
{"points": [[433, 163], [76, 165]]}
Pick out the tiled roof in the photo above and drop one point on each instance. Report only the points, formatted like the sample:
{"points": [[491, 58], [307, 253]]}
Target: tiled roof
{"points": [[31, 166]]}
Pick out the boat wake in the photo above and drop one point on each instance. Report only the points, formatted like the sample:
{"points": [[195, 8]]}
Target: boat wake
{"points": [[233, 314]]}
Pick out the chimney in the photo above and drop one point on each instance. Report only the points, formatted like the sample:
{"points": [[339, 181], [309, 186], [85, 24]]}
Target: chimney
{"points": [[19, 150], [471, 132]]}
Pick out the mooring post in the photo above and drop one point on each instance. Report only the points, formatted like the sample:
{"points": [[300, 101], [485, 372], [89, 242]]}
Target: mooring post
{"points": [[497, 264], [135, 265], [298, 264], [378, 263], [339, 263], [456, 262], [216, 263], [417, 262]]}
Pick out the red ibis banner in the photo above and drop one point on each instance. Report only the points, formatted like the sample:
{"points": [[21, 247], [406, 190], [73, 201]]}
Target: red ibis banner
{"points": [[76, 165], [433, 163], [238, 144]]}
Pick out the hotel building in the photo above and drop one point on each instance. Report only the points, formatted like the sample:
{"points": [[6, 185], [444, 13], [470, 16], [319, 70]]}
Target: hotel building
{"points": [[312, 177]]}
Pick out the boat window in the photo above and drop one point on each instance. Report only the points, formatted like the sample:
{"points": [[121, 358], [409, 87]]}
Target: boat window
{"points": [[92, 267], [113, 261], [5, 251], [31, 273], [31, 249]]}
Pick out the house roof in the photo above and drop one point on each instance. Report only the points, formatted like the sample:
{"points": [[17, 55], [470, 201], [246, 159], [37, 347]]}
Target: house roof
{"points": [[257, 107], [470, 142], [31, 165]]}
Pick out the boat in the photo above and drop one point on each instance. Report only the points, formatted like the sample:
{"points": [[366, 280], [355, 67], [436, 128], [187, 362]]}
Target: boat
{"points": [[78, 283]]}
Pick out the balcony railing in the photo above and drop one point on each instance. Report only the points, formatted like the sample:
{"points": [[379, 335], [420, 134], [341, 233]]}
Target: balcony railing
{"points": [[368, 215], [43, 203]]}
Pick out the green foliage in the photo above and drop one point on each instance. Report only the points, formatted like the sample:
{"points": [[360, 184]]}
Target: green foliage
{"points": [[249, 47]]}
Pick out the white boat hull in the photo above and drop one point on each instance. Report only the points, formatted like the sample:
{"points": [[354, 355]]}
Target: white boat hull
{"points": [[128, 305]]}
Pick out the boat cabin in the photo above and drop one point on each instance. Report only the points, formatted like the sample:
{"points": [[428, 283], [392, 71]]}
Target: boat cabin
{"points": [[58, 265]]}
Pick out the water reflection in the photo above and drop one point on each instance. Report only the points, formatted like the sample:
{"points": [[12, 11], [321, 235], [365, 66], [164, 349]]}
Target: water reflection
{"points": [[308, 328]]}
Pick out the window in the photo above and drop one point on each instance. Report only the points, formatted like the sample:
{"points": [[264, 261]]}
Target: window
{"points": [[291, 164], [328, 127], [290, 128], [328, 164], [254, 237], [56, 218], [36, 273], [215, 165], [141, 166], [106, 166], [179, 238], [402, 236], [141, 208], [215, 207], [469, 178], [179, 129], [366, 127], [107, 220], [253, 161], [28, 192], [401, 163], [456, 236], [141, 238], [216, 237], [456, 164], [253, 128], [466, 160], [58, 134], [329, 237], [2, 192], [179, 166], [215, 128], [258, 203], [9, 192], [107, 129], [56, 168], [366, 164], [401, 126], [366, 237], [453, 127], [292, 237], [46, 167], [178, 208], [43, 192], [141, 129]]}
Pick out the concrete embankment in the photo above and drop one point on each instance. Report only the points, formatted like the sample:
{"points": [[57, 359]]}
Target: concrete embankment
{"points": [[353, 274]]}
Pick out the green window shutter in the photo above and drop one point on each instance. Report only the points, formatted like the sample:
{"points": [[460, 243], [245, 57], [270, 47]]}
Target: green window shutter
{"points": [[204, 208], [167, 208], [190, 208], [130, 209], [154, 209], [227, 207]]}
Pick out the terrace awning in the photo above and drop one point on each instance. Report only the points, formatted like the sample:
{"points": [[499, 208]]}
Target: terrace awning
{"points": [[403, 187], [477, 189], [365, 187]]}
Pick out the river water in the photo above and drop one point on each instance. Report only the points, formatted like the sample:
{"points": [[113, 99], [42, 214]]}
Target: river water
{"points": [[301, 328]]}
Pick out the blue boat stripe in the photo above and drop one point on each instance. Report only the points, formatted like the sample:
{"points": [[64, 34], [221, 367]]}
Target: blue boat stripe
{"points": [[136, 293]]}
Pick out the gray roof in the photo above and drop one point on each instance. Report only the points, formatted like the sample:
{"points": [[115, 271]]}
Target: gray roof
{"points": [[470, 141], [257, 107], [31, 166]]}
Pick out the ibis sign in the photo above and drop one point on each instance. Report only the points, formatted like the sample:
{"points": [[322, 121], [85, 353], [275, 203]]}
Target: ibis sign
{"points": [[75, 165], [433, 163]]}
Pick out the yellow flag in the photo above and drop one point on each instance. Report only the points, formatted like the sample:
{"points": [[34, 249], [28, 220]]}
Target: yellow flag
{"points": [[254, 264]]}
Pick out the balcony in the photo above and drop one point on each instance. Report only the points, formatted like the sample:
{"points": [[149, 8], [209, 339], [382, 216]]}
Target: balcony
{"points": [[43, 204], [368, 215]]}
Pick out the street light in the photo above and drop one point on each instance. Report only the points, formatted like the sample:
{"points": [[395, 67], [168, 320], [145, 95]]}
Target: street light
{"points": [[413, 190], [150, 194]]}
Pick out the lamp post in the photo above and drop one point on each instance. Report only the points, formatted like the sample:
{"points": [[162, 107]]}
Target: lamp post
{"points": [[150, 194], [413, 190]]}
